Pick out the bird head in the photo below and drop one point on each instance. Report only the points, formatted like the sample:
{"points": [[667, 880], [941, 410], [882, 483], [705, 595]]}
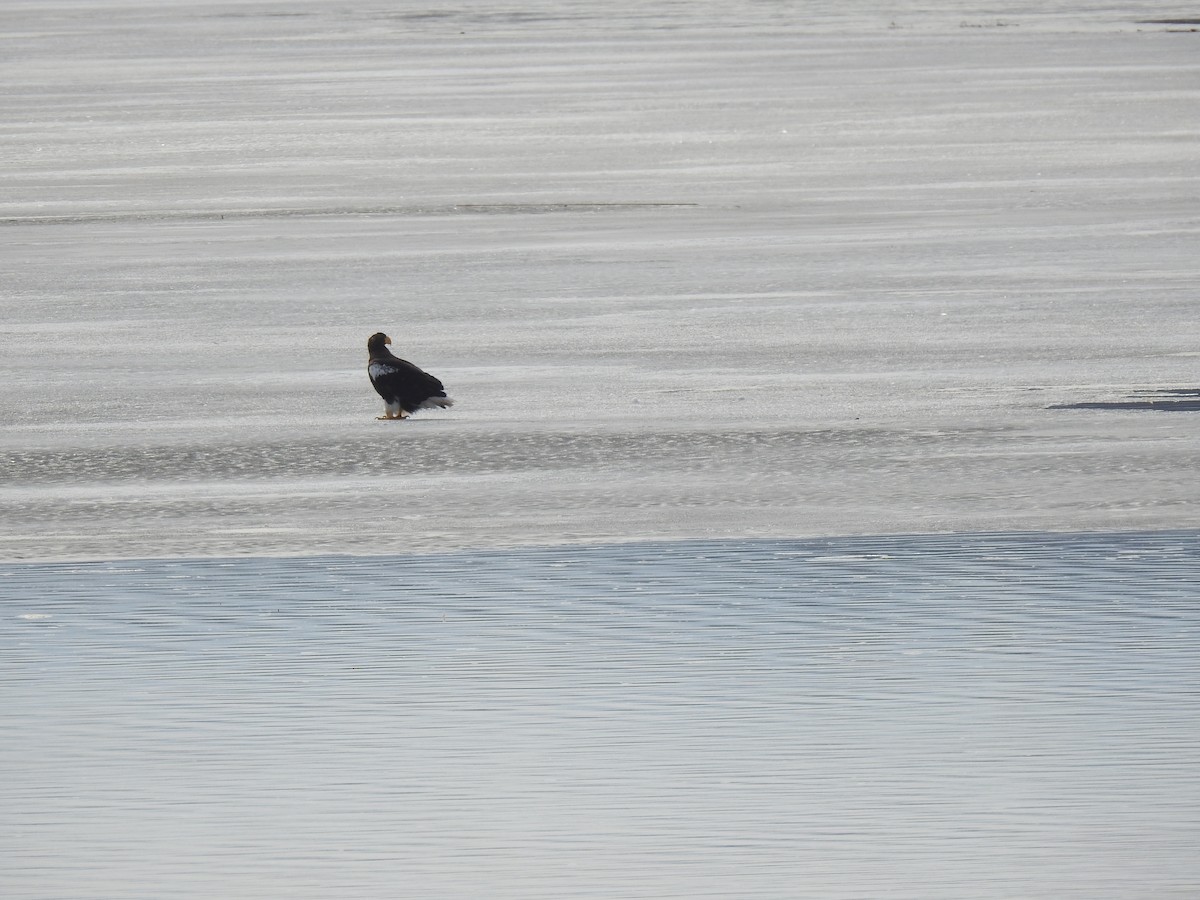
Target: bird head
{"points": [[377, 340]]}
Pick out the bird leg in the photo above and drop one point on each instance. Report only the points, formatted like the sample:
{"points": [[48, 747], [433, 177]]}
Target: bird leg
{"points": [[392, 411]]}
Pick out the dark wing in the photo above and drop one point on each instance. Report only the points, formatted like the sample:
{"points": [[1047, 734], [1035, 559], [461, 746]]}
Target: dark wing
{"points": [[398, 378]]}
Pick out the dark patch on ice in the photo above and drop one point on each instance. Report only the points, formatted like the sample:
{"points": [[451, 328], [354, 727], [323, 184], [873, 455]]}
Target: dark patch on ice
{"points": [[1187, 26], [511, 17], [340, 211], [444, 452], [257, 14], [1166, 400]]}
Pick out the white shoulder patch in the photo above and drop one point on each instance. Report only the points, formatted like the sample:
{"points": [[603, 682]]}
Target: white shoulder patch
{"points": [[378, 369]]}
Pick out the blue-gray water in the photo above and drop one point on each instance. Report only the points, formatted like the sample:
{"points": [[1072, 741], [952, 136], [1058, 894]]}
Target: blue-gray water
{"points": [[949, 716]]}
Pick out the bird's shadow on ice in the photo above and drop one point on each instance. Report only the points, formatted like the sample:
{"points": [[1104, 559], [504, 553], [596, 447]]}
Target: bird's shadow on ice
{"points": [[412, 423], [1164, 400]]}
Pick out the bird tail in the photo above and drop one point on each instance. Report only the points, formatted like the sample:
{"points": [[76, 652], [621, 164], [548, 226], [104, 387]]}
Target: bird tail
{"points": [[437, 403]]}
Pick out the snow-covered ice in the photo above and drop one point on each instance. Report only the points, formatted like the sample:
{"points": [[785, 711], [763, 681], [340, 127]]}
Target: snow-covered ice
{"points": [[691, 270]]}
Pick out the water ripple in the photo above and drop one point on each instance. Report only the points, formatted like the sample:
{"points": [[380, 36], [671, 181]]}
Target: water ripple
{"points": [[943, 716]]}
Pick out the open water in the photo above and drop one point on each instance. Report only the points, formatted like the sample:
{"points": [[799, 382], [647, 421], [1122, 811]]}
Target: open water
{"points": [[944, 716]]}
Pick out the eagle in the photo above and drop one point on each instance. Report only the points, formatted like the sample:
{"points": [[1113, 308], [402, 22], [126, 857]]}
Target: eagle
{"points": [[403, 387]]}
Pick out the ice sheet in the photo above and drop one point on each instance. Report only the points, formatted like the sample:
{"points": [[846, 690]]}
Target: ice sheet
{"points": [[690, 270]]}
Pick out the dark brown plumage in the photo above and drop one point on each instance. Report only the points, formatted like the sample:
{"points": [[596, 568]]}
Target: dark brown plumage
{"points": [[404, 387]]}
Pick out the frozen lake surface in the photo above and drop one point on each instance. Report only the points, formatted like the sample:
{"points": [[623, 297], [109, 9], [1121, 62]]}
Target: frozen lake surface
{"points": [[940, 717], [717, 287], [698, 270]]}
